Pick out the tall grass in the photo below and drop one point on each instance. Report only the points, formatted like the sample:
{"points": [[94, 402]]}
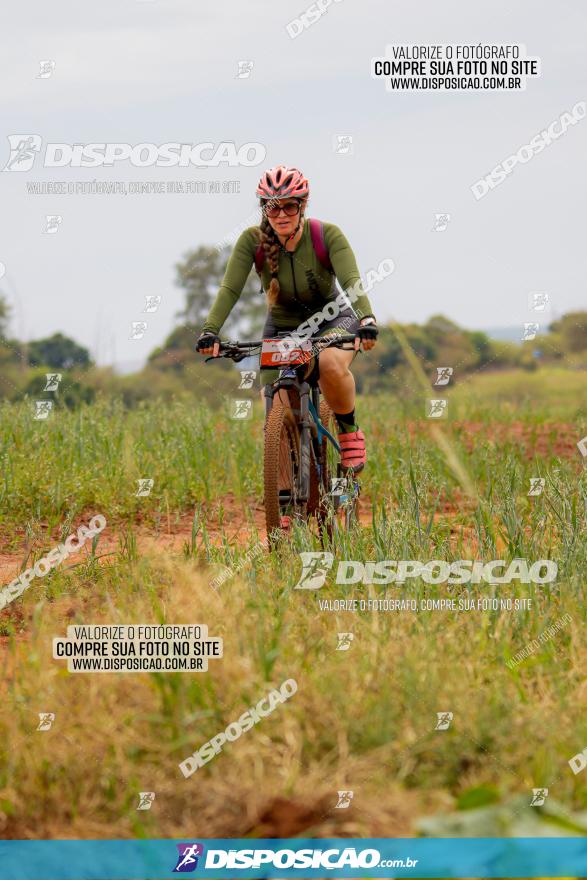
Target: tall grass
{"points": [[362, 719]]}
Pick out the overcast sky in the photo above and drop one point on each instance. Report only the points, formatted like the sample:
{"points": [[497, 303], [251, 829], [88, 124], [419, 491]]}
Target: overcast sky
{"points": [[166, 71]]}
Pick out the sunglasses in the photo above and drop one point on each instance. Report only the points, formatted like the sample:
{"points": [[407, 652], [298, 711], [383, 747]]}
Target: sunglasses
{"points": [[290, 209]]}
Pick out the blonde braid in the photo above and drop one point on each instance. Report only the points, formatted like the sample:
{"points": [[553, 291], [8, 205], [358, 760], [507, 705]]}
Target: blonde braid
{"points": [[271, 248]]}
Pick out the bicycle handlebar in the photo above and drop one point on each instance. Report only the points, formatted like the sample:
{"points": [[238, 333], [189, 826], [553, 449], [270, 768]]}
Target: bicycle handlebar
{"points": [[238, 351]]}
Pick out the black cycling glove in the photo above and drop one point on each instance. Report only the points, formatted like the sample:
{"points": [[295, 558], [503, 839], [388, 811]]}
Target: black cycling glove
{"points": [[368, 331], [206, 339]]}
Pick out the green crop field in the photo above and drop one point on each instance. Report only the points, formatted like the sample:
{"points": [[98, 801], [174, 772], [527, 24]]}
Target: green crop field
{"points": [[363, 719]]}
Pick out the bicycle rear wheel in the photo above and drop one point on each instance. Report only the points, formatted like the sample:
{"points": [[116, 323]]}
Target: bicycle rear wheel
{"points": [[281, 469]]}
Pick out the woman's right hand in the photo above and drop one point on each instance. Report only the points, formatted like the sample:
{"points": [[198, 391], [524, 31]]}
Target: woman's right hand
{"points": [[208, 343]]}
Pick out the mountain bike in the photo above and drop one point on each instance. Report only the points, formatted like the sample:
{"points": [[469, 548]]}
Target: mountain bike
{"points": [[303, 477]]}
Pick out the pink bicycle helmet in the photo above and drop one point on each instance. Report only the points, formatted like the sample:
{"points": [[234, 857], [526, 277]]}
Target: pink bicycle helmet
{"points": [[281, 182]]}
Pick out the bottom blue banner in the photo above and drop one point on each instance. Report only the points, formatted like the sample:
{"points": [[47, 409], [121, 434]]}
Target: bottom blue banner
{"points": [[294, 857]]}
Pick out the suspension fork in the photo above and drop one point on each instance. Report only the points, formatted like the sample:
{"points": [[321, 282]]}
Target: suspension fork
{"points": [[304, 423], [268, 392]]}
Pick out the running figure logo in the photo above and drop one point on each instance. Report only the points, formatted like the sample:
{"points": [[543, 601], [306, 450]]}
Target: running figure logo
{"points": [[444, 719], [46, 719], [53, 380], [23, 150], [441, 222], [437, 409], [538, 301], [315, 568], [152, 303], [537, 484], [241, 409], [539, 795], [52, 224], [46, 69], [531, 328], [344, 800], [146, 799], [343, 144], [444, 374], [42, 409], [187, 861]]}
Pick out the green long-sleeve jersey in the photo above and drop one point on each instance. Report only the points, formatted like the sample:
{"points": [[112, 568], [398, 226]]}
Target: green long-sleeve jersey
{"points": [[305, 285]]}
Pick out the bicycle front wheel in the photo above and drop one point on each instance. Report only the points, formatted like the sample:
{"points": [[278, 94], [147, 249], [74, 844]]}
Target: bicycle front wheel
{"points": [[281, 472]]}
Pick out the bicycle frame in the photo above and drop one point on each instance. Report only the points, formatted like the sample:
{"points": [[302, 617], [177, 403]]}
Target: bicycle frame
{"points": [[310, 440], [311, 429]]}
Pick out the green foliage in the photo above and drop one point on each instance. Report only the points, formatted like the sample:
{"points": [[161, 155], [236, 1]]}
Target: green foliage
{"points": [[70, 393], [572, 329], [5, 311], [200, 275], [58, 351]]}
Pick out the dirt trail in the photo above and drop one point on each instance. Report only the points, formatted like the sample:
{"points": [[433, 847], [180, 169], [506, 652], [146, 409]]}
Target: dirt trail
{"points": [[237, 522]]}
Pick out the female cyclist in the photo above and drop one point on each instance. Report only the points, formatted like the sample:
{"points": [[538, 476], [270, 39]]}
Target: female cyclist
{"points": [[298, 285]]}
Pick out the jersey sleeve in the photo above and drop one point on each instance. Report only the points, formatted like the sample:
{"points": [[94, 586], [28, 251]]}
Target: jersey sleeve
{"points": [[237, 271], [346, 269]]}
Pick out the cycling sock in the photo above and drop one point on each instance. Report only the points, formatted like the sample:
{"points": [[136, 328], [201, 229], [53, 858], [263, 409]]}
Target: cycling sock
{"points": [[346, 422]]}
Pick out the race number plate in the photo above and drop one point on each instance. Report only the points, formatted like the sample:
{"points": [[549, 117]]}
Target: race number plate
{"points": [[285, 352]]}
